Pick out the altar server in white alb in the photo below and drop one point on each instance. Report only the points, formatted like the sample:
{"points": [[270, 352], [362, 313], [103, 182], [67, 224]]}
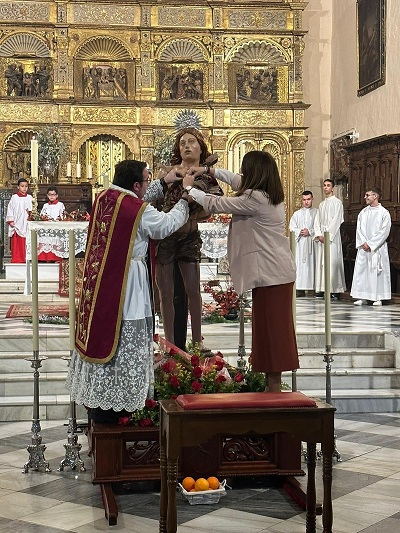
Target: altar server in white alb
{"points": [[18, 209], [329, 218], [53, 209], [371, 278], [302, 224]]}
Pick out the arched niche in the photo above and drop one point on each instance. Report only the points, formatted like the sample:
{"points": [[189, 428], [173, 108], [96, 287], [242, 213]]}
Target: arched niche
{"points": [[182, 71], [102, 151], [258, 72], [104, 69], [17, 156], [26, 62]]}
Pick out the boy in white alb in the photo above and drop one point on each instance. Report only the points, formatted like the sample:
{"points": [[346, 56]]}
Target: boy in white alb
{"points": [[18, 209], [52, 210]]}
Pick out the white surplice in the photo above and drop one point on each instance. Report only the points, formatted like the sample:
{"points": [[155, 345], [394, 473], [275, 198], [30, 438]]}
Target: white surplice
{"points": [[127, 380], [305, 247], [371, 278], [329, 218], [53, 211], [17, 211]]}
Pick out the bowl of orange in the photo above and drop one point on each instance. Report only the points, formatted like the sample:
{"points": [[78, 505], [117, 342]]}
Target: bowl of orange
{"points": [[202, 491]]}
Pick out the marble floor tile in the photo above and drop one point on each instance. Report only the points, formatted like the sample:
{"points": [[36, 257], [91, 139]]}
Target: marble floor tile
{"points": [[25, 504], [126, 524], [66, 516], [230, 521]]}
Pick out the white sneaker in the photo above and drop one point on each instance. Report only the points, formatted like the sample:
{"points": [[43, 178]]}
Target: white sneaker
{"points": [[360, 302], [378, 302]]}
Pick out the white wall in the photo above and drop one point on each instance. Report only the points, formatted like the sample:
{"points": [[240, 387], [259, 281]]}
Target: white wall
{"points": [[317, 20], [376, 113], [331, 82]]}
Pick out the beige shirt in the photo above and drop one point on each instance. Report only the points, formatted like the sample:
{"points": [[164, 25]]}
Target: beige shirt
{"points": [[258, 249]]}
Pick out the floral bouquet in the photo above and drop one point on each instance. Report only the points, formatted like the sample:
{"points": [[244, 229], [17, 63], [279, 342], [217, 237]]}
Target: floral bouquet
{"points": [[221, 218], [179, 372], [227, 300]]}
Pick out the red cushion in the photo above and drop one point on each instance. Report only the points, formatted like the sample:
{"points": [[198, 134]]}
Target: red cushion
{"points": [[244, 400]]}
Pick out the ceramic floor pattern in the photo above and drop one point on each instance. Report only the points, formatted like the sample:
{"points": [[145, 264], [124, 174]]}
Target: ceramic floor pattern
{"points": [[365, 489]]}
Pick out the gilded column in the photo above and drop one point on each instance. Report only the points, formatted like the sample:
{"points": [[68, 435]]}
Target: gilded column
{"points": [[296, 185]]}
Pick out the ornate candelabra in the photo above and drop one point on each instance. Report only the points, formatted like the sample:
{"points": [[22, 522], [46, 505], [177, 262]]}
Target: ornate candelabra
{"points": [[37, 448], [73, 447]]}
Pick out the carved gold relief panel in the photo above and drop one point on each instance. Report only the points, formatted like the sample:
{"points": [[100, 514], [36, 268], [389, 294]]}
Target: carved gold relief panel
{"points": [[104, 115], [97, 13]]}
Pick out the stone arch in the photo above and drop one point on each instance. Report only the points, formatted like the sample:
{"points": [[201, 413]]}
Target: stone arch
{"points": [[16, 159], [103, 48], [18, 140], [24, 45]]}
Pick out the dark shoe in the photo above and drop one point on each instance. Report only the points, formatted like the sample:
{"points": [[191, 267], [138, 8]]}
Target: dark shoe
{"points": [[319, 295], [300, 294], [334, 296]]}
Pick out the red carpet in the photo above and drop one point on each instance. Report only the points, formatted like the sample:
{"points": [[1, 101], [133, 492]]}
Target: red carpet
{"points": [[25, 310]]}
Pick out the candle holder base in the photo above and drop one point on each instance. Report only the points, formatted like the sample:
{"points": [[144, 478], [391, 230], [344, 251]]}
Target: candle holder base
{"points": [[36, 451], [335, 454], [72, 457]]}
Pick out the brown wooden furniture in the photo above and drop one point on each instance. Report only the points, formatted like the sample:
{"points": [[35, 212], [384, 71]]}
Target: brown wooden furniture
{"points": [[182, 427], [131, 453], [373, 162], [75, 196]]}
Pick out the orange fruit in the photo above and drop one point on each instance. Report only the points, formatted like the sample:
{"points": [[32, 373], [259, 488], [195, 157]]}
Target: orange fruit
{"points": [[213, 482], [192, 490], [201, 484], [188, 484]]}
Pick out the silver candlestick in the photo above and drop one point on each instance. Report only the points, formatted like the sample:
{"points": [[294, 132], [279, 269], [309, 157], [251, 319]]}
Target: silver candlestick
{"points": [[36, 449], [241, 363]]}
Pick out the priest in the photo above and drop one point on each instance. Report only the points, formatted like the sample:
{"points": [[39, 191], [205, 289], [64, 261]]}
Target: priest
{"points": [[111, 369]]}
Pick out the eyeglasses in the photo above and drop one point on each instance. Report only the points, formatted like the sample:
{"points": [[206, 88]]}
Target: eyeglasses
{"points": [[143, 181], [366, 195]]}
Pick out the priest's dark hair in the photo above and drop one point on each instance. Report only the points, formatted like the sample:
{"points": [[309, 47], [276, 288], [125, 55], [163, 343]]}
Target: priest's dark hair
{"points": [[307, 193], [260, 173], [128, 172], [376, 190]]}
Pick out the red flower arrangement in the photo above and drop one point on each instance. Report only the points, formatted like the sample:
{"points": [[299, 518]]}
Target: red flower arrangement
{"points": [[227, 300]]}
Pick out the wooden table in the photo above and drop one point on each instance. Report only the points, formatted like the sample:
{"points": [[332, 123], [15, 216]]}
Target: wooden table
{"points": [[180, 428]]}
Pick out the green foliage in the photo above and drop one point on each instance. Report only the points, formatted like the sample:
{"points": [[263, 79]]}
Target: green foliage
{"points": [[53, 146]]}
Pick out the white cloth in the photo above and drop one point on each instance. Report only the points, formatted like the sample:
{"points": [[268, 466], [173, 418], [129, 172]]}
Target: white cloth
{"points": [[53, 211], [17, 211], [329, 218], [305, 247], [371, 278], [127, 380]]}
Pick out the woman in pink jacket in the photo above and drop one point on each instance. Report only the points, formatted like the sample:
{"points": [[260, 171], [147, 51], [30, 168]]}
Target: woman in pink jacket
{"points": [[259, 256]]}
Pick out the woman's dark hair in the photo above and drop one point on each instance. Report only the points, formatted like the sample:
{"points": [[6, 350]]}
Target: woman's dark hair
{"points": [[176, 158], [260, 173], [128, 172]]}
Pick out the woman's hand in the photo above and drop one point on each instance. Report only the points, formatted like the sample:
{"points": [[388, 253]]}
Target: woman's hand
{"points": [[188, 180], [174, 174], [195, 172]]}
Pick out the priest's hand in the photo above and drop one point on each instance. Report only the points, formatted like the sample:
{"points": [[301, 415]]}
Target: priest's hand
{"points": [[365, 247], [174, 174], [188, 180]]}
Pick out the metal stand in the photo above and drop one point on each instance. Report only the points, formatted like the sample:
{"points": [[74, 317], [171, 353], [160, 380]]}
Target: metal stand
{"points": [[241, 362], [73, 447], [328, 359], [36, 449]]}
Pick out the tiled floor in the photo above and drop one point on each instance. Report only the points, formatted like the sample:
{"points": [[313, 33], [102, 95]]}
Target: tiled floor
{"points": [[365, 489], [365, 485]]}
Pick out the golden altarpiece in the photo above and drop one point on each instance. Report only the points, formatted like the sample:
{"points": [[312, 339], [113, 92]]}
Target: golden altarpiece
{"points": [[117, 76]]}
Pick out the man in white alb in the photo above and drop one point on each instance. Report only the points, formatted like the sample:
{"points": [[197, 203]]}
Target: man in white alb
{"points": [[329, 219], [302, 223], [371, 278]]}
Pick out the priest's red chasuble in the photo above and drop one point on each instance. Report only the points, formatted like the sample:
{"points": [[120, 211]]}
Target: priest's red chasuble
{"points": [[112, 231]]}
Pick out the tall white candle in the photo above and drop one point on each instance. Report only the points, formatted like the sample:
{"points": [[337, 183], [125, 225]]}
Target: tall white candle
{"points": [[78, 170], [293, 250], [34, 158], [230, 160], [105, 180], [35, 292], [327, 273], [236, 159], [89, 172], [72, 278], [69, 169]]}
